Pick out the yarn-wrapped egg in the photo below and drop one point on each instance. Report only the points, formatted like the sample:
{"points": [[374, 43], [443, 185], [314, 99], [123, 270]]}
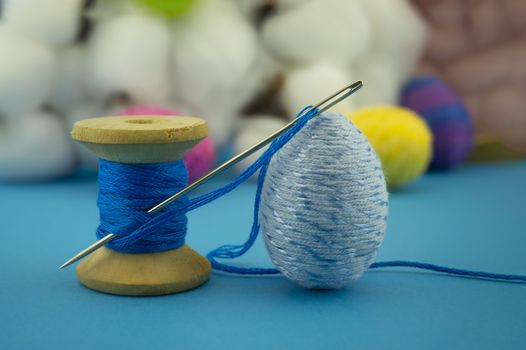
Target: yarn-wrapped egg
{"points": [[447, 117], [199, 160], [324, 204], [401, 138]]}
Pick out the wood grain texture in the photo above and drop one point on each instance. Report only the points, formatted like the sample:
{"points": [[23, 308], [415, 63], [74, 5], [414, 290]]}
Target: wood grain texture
{"points": [[139, 129], [135, 140], [160, 273]]}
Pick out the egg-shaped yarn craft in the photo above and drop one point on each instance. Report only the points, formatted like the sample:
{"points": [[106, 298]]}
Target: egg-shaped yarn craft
{"points": [[446, 115], [324, 204], [401, 139], [199, 160]]}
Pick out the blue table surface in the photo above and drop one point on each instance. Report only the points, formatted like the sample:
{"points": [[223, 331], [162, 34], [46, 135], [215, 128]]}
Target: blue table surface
{"points": [[470, 218]]}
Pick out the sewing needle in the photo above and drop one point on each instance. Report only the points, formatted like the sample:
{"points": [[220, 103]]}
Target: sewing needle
{"points": [[332, 100]]}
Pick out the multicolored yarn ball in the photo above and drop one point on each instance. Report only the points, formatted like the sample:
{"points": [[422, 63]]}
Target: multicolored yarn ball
{"points": [[170, 9], [401, 139], [199, 160], [447, 117]]}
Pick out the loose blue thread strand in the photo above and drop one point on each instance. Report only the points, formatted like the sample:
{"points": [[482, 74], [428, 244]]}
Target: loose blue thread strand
{"points": [[126, 194]]}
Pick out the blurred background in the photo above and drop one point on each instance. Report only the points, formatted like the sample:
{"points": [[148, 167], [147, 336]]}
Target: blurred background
{"points": [[445, 80]]}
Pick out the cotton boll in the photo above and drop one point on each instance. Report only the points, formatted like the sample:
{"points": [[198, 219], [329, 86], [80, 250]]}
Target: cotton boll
{"points": [[70, 83], [257, 11], [251, 7], [330, 30], [129, 54], [26, 73], [310, 84], [253, 129], [400, 33], [215, 62], [286, 5], [55, 23], [34, 146], [110, 9], [381, 82]]}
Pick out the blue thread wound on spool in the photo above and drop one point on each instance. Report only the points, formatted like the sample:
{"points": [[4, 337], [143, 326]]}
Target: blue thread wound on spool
{"points": [[127, 191]]}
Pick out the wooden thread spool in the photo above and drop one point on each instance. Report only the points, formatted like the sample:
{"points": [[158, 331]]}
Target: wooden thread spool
{"points": [[141, 140]]}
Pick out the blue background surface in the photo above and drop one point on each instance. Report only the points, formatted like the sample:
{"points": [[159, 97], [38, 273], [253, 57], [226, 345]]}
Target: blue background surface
{"points": [[470, 218]]}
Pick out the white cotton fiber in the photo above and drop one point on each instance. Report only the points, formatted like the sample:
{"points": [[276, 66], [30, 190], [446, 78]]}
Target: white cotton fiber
{"points": [[54, 22], [70, 81], [329, 30], [129, 55], [381, 81], [399, 34], [26, 73], [286, 5], [215, 63], [309, 85], [253, 129], [34, 146]]}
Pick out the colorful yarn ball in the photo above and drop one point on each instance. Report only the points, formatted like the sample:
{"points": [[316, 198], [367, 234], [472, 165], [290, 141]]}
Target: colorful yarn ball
{"points": [[170, 9], [199, 160], [447, 117], [401, 139]]}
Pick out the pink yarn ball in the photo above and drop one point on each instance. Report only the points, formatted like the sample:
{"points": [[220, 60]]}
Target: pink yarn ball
{"points": [[199, 160]]}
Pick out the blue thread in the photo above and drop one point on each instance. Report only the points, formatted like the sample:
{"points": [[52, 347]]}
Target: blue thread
{"points": [[450, 270], [127, 191], [122, 186]]}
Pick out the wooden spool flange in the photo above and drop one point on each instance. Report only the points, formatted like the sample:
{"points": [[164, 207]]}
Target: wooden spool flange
{"points": [[140, 140]]}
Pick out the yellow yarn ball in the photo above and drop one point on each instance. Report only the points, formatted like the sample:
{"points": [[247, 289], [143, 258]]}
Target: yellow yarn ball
{"points": [[401, 139]]}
